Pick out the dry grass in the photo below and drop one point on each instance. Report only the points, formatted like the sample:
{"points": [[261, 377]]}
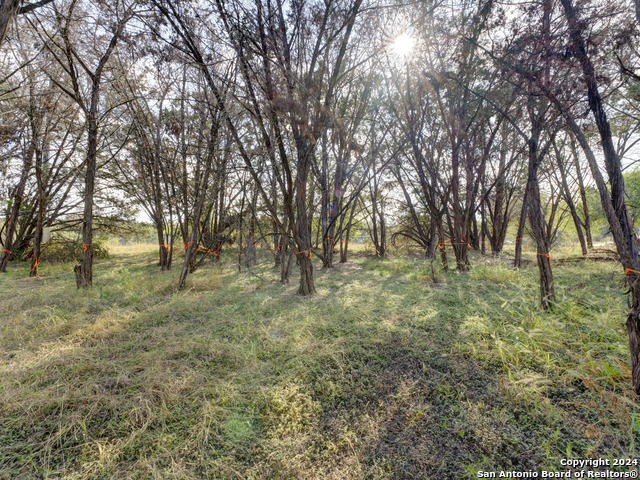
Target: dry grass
{"points": [[380, 375]]}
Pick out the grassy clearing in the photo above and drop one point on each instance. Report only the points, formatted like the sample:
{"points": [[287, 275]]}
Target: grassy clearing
{"points": [[382, 375]]}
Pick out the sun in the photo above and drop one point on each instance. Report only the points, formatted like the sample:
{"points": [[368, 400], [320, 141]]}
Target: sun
{"points": [[403, 45]]}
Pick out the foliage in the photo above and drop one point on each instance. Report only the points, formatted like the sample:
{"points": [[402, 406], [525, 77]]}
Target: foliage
{"points": [[632, 192]]}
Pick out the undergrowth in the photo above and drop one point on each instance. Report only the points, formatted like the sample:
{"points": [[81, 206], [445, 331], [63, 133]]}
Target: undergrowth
{"points": [[393, 370]]}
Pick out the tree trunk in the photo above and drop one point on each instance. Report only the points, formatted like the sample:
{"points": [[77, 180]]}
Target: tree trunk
{"points": [[302, 233], [483, 229], [251, 255], [307, 286], [517, 262], [627, 248], [459, 237], [8, 247], [433, 237], [287, 256], [443, 252], [497, 224], [201, 190], [344, 246], [157, 192], [86, 265], [37, 238], [8, 10], [163, 250], [325, 224], [547, 294], [569, 200], [583, 193]]}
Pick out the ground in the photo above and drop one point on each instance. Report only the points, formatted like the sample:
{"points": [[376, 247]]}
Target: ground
{"points": [[392, 371]]}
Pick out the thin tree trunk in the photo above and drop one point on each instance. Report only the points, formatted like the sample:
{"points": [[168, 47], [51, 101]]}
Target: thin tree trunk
{"points": [[626, 243], [459, 237], [483, 229], [344, 250], [583, 194], [191, 245], [8, 10], [302, 233], [324, 224], [157, 192], [37, 238], [85, 271], [498, 239], [433, 237], [569, 200], [443, 252], [547, 293], [517, 262], [8, 247]]}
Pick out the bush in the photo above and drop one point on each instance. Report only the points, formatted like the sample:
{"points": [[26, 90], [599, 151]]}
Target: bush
{"points": [[63, 250]]}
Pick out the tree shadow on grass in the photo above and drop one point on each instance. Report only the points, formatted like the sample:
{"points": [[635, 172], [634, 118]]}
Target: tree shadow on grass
{"points": [[395, 412]]}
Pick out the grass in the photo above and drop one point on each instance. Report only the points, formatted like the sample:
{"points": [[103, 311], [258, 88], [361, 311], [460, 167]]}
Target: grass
{"points": [[383, 374]]}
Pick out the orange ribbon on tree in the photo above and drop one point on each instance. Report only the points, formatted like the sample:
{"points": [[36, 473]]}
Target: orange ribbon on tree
{"points": [[463, 243], [218, 249], [35, 265]]}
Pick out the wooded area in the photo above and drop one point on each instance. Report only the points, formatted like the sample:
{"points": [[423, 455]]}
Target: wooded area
{"points": [[287, 127]]}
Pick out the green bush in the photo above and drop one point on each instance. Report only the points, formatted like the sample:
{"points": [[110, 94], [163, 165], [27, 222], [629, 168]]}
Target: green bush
{"points": [[64, 250]]}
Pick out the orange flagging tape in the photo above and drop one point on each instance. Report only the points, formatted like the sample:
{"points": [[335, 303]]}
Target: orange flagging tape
{"points": [[186, 245], [546, 255], [166, 247], [5, 250], [35, 265], [85, 246], [626, 272], [518, 239], [303, 252], [216, 252], [463, 243]]}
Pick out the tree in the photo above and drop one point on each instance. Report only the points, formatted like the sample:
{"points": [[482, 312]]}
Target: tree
{"points": [[299, 76], [82, 83], [10, 8], [613, 201]]}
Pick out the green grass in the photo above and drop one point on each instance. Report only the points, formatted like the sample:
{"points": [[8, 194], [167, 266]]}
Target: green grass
{"points": [[381, 375]]}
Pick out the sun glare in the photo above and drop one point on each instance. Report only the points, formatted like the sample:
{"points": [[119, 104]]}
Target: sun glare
{"points": [[403, 45]]}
